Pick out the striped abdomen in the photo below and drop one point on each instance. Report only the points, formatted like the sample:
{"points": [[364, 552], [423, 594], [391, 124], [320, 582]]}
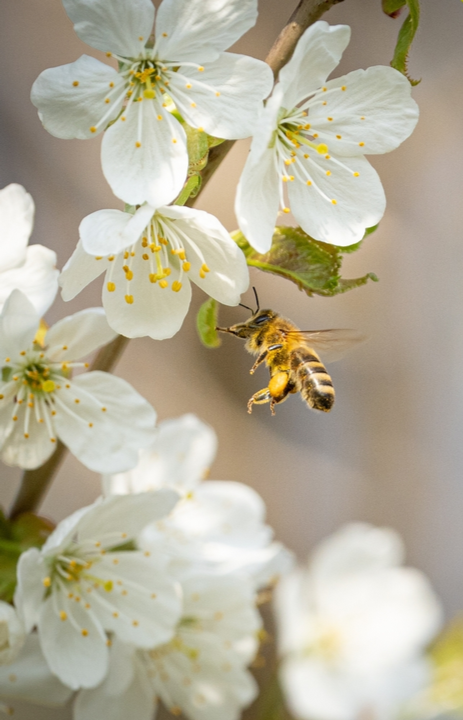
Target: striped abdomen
{"points": [[312, 379]]}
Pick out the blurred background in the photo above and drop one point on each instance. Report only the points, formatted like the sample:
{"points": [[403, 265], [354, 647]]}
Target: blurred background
{"points": [[391, 451]]}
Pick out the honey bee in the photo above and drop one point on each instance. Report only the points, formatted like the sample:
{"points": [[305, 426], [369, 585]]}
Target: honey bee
{"points": [[291, 356]]}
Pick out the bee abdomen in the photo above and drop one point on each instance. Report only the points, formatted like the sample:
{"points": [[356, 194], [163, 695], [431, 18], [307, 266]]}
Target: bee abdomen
{"points": [[313, 381]]}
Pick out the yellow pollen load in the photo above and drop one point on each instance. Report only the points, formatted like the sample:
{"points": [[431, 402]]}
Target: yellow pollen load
{"points": [[63, 615], [75, 83], [129, 299], [111, 286], [48, 386], [176, 286]]}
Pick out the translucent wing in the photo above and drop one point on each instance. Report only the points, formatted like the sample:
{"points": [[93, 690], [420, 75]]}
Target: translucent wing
{"points": [[332, 345]]}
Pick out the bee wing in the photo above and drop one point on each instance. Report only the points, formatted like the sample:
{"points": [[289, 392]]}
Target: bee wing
{"points": [[332, 345]]}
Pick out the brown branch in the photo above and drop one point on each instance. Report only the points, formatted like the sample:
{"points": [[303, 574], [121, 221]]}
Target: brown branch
{"points": [[306, 13], [35, 483]]}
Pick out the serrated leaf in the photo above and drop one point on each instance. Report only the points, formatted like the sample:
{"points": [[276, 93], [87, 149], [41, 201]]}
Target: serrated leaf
{"points": [[206, 322], [406, 35], [312, 265]]}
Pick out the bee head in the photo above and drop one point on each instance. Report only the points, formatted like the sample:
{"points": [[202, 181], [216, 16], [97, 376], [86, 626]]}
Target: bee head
{"points": [[256, 322]]}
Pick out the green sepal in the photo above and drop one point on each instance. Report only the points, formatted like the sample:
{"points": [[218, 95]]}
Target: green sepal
{"points": [[190, 189], [17, 536], [198, 149], [206, 323], [312, 265], [406, 34]]}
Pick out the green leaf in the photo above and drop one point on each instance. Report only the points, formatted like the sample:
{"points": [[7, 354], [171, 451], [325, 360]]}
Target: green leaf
{"points": [[406, 34], [206, 323], [312, 265]]}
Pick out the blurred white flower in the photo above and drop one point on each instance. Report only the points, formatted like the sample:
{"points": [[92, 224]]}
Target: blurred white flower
{"points": [[12, 633], [30, 269], [83, 584], [100, 417], [144, 153], [149, 259], [29, 679], [219, 525], [201, 672], [353, 628], [312, 138]]}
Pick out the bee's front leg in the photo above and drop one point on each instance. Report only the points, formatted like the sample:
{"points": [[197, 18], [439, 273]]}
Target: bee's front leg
{"points": [[259, 398], [263, 356]]}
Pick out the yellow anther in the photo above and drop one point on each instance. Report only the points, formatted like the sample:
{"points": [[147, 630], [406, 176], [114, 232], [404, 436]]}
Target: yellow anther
{"points": [[188, 86], [137, 144], [204, 268], [176, 286], [307, 127], [163, 241], [306, 155], [361, 144], [75, 83], [77, 401], [158, 77], [174, 140], [186, 266], [111, 257], [103, 409], [111, 84], [128, 275], [129, 93], [201, 129], [23, 352], [193, 105], [153, 278], [63, 615], [129, 299], [159, 117], [141, 38], [335, 202], [288, 162], [330, 119], [286, 210], [167, 272], [343, 87], [164, 34], [362, 118], [111, 286], [109, 54], [144, 242], [123, 118], [291, 177], [145, 256], [217, 94], [163, 284], [328, 172], [201, 69], [46, 581], [1, 397], [324, 102], [135, 623], [155, 248], [309, 182], [93, 129], [90, 424], [84, 632], [324, 89], [107, 101], [356, 174], [285, 178], [48, 386]]}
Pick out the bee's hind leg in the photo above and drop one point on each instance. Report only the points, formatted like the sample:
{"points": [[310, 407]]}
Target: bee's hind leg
{"points": [[260, 398]]}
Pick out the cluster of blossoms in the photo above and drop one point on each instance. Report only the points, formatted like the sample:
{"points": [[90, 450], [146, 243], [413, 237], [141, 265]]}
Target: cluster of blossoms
{"points": [[150, 593]]}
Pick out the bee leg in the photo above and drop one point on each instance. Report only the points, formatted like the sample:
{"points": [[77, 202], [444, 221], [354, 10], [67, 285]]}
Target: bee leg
{"points": [[262, 357], [259, 398]]}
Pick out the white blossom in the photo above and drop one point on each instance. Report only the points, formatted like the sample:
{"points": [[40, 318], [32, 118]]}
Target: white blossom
{"points": [[144, 154], [353, 627], [312, 139], [12, 633], [30, 269], [28, 679], [149, 259], [201, 672], [82, 584], [218, 525], [101, 418]]}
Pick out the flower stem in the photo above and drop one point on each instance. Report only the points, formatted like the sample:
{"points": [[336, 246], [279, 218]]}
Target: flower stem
{"points": [[35, 483], [306, 13]]}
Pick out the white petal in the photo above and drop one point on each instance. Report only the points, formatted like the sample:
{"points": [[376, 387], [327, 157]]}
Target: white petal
{"points": [[112, 25], [12, 633], [18, 324], [153, 171], [31, 452], [199, 30], [30, 589], [359, 201], [16, 220], [317, 53], [125, 514], [257, 200], [70, 111], [229, 106], [105, 232], [144, 606], [182, 452], [103, 440], [137, 700], [157, 312], [374, 114], [77, 335], [29, 678], [79, 271], [77, 659], [207, 242], [37, 278]]}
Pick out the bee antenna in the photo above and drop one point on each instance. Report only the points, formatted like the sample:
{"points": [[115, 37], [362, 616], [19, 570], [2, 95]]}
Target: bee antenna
{"points": [[257, 299], [246, 307]]}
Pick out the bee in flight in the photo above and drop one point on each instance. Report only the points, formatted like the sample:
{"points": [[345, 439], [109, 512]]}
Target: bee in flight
{"points": [[291, 356]]}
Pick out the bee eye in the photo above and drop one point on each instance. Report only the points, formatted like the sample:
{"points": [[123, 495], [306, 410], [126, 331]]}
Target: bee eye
{"points": [[260, 320]]}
